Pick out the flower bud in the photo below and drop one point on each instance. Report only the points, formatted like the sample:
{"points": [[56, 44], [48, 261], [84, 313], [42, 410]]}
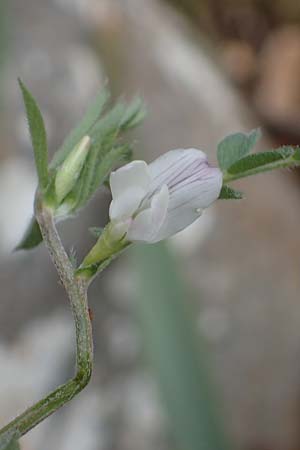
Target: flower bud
{"points": [[69, 172]]}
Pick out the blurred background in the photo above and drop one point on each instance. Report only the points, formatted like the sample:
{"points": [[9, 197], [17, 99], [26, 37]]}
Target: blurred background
{"points": [[205, 69]]}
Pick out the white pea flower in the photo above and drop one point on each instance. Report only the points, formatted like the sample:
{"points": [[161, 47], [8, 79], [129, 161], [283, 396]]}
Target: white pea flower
{"points": [[153, 202]]}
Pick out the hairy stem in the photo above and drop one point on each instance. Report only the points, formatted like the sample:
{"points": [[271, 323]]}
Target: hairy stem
{"points": [[280, 164], [76, 288]]}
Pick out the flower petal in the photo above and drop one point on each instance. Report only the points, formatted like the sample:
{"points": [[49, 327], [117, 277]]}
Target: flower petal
{"points": [[129, 185], [174, 166], [133, 175], [125, 205], [198, 190], [188, 200], [147, 223], [176, 221]]}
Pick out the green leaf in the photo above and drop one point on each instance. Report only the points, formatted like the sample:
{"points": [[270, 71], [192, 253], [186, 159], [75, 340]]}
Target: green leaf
{"points": [[109, 162], [105, 152], [93, 270], [98, 166], [227, 193], [260, 159], [109, 124], [38, 136], [32, 236], [91, 116], [235, 146], [175, 351], [121, 117], [134, 114]]}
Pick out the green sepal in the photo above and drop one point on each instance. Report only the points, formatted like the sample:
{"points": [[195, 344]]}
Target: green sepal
{"points": [[105, 152], [135, 113], [93, 270], [261, 159], [32, 236], [110, 244], [89, 119], [236, 146], [106, 246], [97, 168], [227, 193], [121, 117], [38, 136], [96, 231]]}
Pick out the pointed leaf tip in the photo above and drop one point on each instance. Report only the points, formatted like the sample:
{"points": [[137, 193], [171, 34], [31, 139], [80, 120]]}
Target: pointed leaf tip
{"points": [[89, 119], [227, 193], [32, 237], [38, 135]]}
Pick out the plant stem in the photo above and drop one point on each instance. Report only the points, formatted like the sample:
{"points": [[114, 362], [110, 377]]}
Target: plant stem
{"points": [[76, 288]]}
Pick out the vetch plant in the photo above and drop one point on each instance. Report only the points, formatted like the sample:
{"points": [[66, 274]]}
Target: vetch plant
{"points": [[150, 202]]}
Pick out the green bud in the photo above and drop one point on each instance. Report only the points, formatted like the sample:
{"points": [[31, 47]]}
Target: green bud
{"points": [[69, 172]]}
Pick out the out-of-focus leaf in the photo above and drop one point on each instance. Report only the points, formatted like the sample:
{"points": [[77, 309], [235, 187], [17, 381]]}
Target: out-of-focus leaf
{"points": [[91, 116], [32, 236], [109, 123], [260, 159], [227, 193], [118, 154], [173, 348], [38, 136], [121, 117], [135, 113], [105, 152], [296, 155], [235, 146], [14, 445], [96, 171], [8, 441]]}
